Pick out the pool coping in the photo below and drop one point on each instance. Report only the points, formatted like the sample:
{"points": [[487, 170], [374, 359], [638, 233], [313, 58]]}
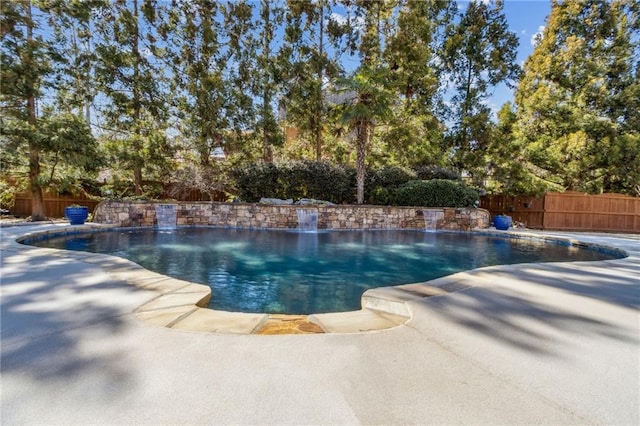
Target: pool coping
{"points": [[181, 305]]}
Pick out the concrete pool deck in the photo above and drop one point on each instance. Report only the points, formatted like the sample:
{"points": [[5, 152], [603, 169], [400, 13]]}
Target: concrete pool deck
{"points": [[536, 343]]}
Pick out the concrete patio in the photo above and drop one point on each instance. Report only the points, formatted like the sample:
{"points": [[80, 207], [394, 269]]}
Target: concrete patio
{"points": [[522, 344]]}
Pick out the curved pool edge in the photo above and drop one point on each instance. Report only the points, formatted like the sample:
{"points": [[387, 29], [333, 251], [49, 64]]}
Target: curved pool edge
{"points": [[180, 304]]}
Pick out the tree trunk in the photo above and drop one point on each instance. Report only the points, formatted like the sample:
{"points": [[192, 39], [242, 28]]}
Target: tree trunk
{"points": [[137, 179], [267, 148], [362, 136], [137, 145], [37, 200], [320, 111]]}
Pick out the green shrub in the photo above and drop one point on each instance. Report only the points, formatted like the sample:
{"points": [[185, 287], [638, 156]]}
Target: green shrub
{"points": [[434, 193], [256, 180], [390, 177], [295, 180], [381, 182], [7, 194], [435, 172]]}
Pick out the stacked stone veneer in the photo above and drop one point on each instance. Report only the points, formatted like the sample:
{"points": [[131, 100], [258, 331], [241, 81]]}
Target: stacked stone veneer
{"points": [[242, 215]]}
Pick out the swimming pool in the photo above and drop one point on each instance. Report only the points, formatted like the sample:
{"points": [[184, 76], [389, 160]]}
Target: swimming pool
{"points": [[278, 271]]}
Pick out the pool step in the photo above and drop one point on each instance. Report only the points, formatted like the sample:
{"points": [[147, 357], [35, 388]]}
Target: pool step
{"points": [[357, 321], [393, 300]]}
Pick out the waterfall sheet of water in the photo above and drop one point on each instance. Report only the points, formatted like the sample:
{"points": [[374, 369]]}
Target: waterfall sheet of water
{"points": [[167, 215], [307, 220], [431, 218]]}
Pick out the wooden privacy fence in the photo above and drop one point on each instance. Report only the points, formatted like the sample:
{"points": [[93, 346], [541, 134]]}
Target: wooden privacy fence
{"points": [[569, 211], [54, 204]]}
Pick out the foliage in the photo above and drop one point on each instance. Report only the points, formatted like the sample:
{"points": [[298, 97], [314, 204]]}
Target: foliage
{"points": [[305, 61], [370, 106], [382, 181], [47, 146], [134, 87], [397, 90], [294, 180], [424, 172], [7, 194], [578, 104], [212, 179], [480, 53], [434, 193], [316, 179], [413, 52], [256, 180]]}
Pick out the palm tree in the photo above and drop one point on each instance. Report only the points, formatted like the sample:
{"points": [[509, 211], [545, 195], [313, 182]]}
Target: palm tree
{"points": [[369, 105]]}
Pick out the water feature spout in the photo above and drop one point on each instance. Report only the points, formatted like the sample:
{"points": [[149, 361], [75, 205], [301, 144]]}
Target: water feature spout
{"points": [[431, 218], [307, 220], [167, 215]]}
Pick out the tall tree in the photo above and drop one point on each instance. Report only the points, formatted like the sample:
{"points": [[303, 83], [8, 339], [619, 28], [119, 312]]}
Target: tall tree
{"points": [[71, 23], [130, 77], [412, 52], [41, 141], [480, 53], [25, 66], [579, 99], [194, 50], [370, 102], [309, 59], [267, 76]]}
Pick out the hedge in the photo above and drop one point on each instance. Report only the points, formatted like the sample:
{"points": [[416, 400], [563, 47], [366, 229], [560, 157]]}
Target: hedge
{"points": [[295, 180], [434, 193], [325, 181]]}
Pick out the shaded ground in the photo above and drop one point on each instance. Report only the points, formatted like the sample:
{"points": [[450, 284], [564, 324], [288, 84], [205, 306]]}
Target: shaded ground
{"points": [[528, 344]]}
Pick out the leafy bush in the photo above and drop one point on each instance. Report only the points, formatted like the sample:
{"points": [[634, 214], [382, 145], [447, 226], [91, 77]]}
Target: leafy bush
{"points": [[320, 180], [380, 183], [256, 180], [324, 181], [435, 172], [7, 194], [434, 193], [390, 177], [298, 179]]}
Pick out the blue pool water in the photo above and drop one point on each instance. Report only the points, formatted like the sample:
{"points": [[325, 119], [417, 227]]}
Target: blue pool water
{"points": [[300, 273]]}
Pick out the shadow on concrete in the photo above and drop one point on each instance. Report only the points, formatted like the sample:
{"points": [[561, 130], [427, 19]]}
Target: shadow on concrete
{"points": [[51, 307], [554, 300]]}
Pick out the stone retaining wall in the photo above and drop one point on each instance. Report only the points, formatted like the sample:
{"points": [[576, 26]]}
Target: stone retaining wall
{"points": [[242, 215]]}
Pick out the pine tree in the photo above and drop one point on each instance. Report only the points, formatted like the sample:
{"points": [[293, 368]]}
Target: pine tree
{"points": [[131, 78], [480, 53], [579, 99], [267, 76], [32, 134], [412, 52], [309, 60], [24, 66]]}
